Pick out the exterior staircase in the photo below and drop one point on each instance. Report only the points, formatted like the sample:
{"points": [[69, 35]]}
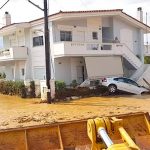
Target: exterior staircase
{"points": [[138, 73], [131, 57]]}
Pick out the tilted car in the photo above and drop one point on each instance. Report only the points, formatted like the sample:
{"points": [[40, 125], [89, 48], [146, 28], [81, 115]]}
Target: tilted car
{"points": [[123, 84]]}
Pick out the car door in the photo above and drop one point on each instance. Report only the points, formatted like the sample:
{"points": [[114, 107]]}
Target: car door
{"points": [[121, 84], [133, 87]]}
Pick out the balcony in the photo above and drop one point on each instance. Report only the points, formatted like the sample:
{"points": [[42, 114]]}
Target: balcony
{"points": [[95, 49], [14, 53], [80, 49], [87, 49]]}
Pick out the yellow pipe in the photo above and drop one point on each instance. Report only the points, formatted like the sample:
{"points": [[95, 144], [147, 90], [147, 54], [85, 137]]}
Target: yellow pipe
{"points": [[127, 138]]}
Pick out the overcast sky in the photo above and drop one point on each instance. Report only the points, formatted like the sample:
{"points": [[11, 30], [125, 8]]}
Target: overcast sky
{"points": [[22, 10]]}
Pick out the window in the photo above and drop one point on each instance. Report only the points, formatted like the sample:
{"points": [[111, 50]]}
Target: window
{"points": [[95, 35], [120, 79], [65, 36], [132, 82], [37, 41]]}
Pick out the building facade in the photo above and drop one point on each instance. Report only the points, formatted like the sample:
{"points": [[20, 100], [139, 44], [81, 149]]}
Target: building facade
{"points": [[83, 44]]}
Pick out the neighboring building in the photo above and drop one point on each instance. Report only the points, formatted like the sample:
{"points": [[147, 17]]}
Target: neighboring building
{"points": [[84, 44]]}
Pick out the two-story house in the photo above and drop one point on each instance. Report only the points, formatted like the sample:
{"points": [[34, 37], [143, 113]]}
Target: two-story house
{"points": [[84, 44]]}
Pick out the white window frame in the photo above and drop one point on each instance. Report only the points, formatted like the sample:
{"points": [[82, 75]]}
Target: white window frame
{"points": [[40, 42], [67, 35]]}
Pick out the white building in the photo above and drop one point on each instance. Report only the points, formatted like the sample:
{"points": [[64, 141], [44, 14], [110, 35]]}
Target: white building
{"points": [[82, 46]]}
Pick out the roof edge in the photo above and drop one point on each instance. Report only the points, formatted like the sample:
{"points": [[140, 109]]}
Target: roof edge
{"points": [[80, 11]]}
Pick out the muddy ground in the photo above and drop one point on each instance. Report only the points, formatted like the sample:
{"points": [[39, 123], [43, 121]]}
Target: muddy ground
{"points": [[17, 112]]}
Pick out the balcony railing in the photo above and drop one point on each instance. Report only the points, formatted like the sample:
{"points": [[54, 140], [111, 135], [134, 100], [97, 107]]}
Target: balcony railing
{"points": [[94, 49], [14, 53], [78, 48]]}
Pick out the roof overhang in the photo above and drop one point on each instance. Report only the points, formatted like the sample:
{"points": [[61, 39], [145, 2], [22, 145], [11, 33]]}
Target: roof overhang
{"points": [[135, 22], [77, 14], [13, 27], [80, 14]]}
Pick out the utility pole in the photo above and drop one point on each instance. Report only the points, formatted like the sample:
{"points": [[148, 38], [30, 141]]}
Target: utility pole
{"points": [[47, 48]]}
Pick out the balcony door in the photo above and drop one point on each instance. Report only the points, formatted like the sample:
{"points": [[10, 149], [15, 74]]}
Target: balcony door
{"points": [[107, 34]]}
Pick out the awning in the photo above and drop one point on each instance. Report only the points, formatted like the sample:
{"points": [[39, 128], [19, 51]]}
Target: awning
{"points": [[104, 66]]}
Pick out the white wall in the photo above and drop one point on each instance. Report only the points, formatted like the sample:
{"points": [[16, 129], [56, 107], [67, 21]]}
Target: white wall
{"points": [[9, 71], [37, 53], [2, 69], [66, 68], [21, 66], [94, 24], [13, 70], [6, 43], [28, 64], [127, 34], [63, 69], [81, 29], [107, 21], [76, 62]]}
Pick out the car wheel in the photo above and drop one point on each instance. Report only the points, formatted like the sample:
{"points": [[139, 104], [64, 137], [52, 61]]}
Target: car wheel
{"points": [[112, 88]]}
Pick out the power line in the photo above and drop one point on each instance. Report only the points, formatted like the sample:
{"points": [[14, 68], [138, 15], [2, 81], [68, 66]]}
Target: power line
{"points": [[4, 4]]}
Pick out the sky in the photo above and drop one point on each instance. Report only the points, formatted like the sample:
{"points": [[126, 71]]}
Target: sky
{"points": [[22, 10]]}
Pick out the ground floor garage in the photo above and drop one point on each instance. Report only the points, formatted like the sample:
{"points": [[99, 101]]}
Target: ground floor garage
{"points": [[81, 68]]}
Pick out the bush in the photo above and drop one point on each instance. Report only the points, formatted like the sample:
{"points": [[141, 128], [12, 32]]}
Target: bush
{"points": [[13, 88], [32, 89], [2, 75], [147, 59], [82, 91], [60, 85], [74, 83]]}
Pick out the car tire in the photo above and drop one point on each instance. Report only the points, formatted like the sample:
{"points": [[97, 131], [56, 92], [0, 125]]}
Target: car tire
{"points": [[112, 88]]}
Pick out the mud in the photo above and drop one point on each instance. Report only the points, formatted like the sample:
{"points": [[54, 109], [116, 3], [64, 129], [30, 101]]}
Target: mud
{"points": [[17, 112]]}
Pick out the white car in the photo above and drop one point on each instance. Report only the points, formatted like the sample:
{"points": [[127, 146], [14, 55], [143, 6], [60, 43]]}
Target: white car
{"points": [[123, 84]]}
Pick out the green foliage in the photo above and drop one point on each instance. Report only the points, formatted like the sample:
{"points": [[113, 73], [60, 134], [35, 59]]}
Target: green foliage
{"points": [[147, 59], [74, 83], [32, 89], [81, 91], [13, 88], [60, 85], [2, 75]]}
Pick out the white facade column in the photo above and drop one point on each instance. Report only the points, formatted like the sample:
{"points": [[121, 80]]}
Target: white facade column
{"points": [[141, 45], [16, 71], [52, 65]]}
